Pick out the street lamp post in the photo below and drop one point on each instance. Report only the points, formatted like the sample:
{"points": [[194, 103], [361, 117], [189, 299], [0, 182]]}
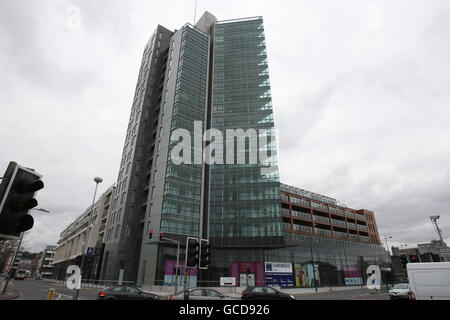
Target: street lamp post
{"points": [[86, 238], [385, 239]]}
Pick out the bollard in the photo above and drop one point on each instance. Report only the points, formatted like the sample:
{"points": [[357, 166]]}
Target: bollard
{"points": [[51, 292]]}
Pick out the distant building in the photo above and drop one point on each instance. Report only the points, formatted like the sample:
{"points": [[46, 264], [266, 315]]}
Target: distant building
{"points": [[70, 245], [435, 251], [45, 267]]}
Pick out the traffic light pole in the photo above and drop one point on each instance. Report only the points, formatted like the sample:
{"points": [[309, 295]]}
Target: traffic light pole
{"points": [[10, 270]]}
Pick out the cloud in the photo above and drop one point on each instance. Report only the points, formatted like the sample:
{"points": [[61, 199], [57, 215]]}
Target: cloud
{"points": [[360, 93]]}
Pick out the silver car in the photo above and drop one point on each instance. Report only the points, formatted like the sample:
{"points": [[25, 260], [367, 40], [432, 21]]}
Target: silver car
{"points": [[400, 291], [200, 294]]}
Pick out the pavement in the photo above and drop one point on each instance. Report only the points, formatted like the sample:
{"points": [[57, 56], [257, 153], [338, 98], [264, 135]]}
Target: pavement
{"points": [[10, 293]]}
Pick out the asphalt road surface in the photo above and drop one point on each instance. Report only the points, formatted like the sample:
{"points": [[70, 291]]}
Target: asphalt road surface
{"points": [[353, 294], [38, 290]]}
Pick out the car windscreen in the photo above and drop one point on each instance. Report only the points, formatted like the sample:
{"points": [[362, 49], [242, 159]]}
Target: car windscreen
{"points": [[401, 286]]}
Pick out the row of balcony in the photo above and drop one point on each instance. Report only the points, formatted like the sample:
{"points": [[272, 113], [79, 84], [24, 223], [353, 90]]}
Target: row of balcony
{"points": [[324, 232], [335, 222], [319, 206]]}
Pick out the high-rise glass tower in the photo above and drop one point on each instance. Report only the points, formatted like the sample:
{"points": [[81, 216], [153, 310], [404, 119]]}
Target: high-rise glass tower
{"points": [[244, 202], [211, 76]]}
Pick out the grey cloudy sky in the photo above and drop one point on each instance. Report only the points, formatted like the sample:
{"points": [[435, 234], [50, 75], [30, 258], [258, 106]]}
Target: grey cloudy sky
{"points": [[361, 94]]}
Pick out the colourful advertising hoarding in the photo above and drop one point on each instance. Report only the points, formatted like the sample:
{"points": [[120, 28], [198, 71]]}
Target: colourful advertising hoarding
{"points": [[306, 275], [248, 273], [352, 275]]}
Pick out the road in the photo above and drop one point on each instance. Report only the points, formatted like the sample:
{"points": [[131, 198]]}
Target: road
{"points": [[353, 294], [38, 290]]}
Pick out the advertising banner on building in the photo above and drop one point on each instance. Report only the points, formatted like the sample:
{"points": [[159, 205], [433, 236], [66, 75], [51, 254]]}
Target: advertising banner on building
{"points": [[170, 275], [352, 275], [279, 274], [306, 275], [248, 273]]}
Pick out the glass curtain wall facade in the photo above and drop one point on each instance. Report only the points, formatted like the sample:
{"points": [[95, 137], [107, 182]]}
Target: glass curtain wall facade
{"points": [[182, 201], [244, 200]]}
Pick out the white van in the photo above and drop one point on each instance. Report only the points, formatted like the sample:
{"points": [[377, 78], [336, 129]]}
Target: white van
{"points": [[429, 280], [20, 274]]}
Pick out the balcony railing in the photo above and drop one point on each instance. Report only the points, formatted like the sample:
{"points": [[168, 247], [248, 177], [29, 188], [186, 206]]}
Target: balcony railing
{"points": [[354, 237], [321, 219], [349, 214], [319, 206], [323, 232], [303, 229], [340, 235], [339, 223], [300, 201], [302, 215], [351, 225], [364, 238], [360, 227], [360, 217], [336, 211]]}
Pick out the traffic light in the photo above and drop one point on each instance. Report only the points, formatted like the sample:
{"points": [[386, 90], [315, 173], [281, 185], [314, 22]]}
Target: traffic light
{"points": [[404, 261], [161, 236], [204, 254], [413, 258], [150, 233], [17, 191], [192, 252]]}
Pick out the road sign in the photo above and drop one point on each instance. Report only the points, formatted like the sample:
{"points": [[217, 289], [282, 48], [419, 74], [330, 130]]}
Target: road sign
{"points": [[7, 267]]}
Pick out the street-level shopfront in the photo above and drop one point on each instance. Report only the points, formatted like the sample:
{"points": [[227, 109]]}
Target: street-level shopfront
{"points": [[306, 262]]}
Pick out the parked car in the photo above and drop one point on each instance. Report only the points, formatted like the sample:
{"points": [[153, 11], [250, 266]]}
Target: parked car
{"points": [[200, 294], [265, 293], [399, 291], [125, 293]]}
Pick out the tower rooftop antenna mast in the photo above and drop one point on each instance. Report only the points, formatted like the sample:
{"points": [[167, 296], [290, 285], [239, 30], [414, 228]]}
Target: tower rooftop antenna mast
{"points": [[195, 12]]}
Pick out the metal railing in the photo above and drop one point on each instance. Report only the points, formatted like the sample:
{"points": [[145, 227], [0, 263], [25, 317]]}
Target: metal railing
{"points": [[321, 219], [322, 232], [340, 235], [351, 225], [94, 283], [349, 214], [302, 228], [300, 214], [360, 227], [339, 223]]}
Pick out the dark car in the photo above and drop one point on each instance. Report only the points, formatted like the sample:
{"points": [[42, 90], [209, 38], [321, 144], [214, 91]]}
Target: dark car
{"points": [[125, 293], [265, 293]]}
